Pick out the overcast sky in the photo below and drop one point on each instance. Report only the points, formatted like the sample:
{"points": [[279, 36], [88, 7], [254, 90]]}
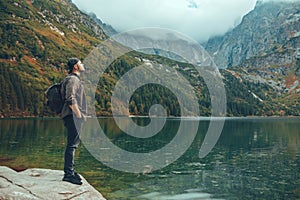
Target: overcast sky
{"points": [[199, 19]]}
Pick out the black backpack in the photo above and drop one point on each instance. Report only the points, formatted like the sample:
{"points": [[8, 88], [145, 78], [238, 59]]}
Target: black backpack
{"points": [[54, 99]]}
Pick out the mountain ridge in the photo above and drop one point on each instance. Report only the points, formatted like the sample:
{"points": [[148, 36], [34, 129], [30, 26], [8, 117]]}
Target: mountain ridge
{"points": [[36, 40], [266, 27], [264, 48], [39, 36]]}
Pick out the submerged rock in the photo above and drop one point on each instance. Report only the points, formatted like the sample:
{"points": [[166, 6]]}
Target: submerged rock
{"points": [[42, 184]]}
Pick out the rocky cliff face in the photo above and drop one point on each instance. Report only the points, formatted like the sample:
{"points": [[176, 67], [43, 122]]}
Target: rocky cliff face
{"points": [[37, 38], [271, 27], [108, 29], [265, 49], [70, 17]]}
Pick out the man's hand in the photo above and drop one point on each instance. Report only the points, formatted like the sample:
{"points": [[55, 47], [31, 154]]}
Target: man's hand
{"points": [[83, 117], [76, 110]]}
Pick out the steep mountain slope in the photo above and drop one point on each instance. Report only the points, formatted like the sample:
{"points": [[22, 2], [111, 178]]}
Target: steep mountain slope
{"points": [[108, 29], [272, 26], [265, 48], [37, 38]]}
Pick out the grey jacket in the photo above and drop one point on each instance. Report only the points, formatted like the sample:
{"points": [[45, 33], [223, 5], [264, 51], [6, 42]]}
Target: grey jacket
{"points": [[72, 91]]}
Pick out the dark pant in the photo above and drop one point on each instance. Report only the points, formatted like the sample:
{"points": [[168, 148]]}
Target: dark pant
{"points": [[73, 140]]}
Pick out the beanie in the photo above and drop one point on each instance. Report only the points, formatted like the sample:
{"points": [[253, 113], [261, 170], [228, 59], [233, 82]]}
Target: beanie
{"points": [[72, 62]]}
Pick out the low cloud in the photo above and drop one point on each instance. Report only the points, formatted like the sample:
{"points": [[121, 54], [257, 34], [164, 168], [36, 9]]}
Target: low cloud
{"points": [[199, 19], [264, 1]]}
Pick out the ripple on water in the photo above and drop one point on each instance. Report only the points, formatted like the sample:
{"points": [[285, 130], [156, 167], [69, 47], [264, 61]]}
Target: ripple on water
{"points": [[183, 196]]}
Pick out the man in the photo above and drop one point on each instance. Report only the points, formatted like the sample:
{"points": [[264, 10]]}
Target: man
{"points": [[73, 114]]}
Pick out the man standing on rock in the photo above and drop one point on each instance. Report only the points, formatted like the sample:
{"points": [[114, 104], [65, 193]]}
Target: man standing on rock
{"points": [[73, 115]]}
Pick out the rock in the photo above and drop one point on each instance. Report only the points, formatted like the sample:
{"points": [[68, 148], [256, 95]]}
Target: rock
{"points": [[271, 28], [42, 184]]}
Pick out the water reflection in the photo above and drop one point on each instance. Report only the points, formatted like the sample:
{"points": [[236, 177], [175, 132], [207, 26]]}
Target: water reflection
{"points": [[31, 143], [256, 158]]}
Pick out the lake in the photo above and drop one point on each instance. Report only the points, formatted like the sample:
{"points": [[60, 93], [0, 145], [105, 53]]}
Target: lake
{"points": [[254, 158]]}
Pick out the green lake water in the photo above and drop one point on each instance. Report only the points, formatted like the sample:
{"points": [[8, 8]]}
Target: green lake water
{"points": [[255, 158]]}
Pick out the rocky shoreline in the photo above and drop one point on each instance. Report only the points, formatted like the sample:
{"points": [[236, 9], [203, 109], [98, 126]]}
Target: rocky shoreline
{"points": [[45, 184]]}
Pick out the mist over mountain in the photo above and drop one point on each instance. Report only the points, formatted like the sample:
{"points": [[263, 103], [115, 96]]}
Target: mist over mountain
{"points": [[272, 26], [261, 57], [198, 19], [264, 48], [108, 29]]}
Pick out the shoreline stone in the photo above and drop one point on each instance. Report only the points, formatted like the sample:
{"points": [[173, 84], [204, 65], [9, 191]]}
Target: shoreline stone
{"points": [[45, 184]]}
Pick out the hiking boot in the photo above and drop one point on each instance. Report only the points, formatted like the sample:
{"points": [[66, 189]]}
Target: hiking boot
{"points": [[77, 176], [72, 179]]}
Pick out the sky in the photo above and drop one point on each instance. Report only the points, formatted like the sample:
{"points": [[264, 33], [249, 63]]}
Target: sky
{"points": [[198, 19]]}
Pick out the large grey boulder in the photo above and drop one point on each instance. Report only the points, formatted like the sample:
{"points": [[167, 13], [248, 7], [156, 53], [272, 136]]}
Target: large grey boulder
{"points": [[42, 184]]}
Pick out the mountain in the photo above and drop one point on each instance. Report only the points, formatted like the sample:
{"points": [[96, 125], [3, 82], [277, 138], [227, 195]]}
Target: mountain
{"points": [[108, 29], [38, 37], [271, 27], [265, 49]]}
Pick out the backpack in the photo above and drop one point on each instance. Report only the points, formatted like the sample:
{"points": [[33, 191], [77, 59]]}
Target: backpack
{"points": [[54, 99]]}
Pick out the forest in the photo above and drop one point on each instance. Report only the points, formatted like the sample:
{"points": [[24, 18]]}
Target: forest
{"points": [[38, 38]]}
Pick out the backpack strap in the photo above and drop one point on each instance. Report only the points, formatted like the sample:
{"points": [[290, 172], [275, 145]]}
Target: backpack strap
{"points": [[73, 74]]}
